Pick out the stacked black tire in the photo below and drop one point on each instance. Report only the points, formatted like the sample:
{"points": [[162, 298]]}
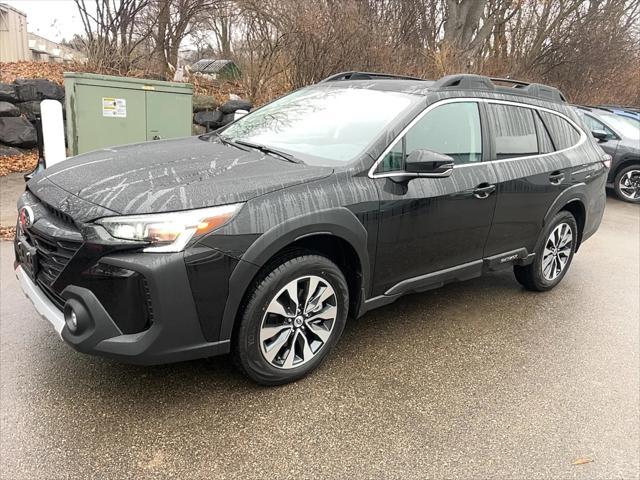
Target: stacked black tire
{"points": [[19, 105], [208, 116]]}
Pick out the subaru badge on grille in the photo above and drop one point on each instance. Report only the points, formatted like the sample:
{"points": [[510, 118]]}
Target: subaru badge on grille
{"points": [[26, 217]]}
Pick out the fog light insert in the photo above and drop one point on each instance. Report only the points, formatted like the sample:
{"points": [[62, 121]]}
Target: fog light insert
{"points": [[75, 316], [71, 319]]}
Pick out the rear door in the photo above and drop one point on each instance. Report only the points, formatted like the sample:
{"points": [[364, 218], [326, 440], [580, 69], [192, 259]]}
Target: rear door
{"points": [[431, 224], [532, 158]]}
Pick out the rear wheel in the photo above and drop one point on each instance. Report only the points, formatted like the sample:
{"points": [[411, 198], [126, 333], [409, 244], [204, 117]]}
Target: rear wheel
{"points": [[292, 320], [627, 184], [553, 257]]}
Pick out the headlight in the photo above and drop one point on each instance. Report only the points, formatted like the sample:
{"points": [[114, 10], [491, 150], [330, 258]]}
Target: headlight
{"points": [[169, 232]]}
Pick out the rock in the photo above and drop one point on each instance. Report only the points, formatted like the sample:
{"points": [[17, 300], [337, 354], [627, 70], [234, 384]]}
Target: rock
{"points": [[6, 151], [17, 132], [210, 119], [198, 129], [228, 118], [204, 102], [30, 109], [233, 105], [26, 93], [38, 89], [9, 110], [8, 93]]}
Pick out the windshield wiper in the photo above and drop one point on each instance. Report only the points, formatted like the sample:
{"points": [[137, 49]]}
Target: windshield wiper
{"points": [[269, 150], [226, 141]]}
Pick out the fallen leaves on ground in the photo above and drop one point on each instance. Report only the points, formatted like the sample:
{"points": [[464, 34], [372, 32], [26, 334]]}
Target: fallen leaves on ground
{"points": [[7, 233], [582, 461], [19, 163], [219, 89]]}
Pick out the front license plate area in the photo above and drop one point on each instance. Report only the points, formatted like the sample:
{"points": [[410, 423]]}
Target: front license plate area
{"points": [[28, 258]]}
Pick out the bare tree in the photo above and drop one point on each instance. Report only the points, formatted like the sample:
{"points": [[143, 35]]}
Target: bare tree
{"points": [[589, 48], [112, 32], [176, 19]]}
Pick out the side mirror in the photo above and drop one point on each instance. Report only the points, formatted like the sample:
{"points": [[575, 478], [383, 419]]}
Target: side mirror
{"points": [[426, 163], [600, 135]]}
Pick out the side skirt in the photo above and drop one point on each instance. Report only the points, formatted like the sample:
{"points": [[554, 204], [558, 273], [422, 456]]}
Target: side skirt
{"points": [[433, 280]]}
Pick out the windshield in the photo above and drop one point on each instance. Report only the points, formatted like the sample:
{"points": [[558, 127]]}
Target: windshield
{"points": [[622, 125], [322, 126]]}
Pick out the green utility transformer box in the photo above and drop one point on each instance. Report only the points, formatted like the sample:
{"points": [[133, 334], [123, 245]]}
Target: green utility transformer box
{"points": [[105, 111]]}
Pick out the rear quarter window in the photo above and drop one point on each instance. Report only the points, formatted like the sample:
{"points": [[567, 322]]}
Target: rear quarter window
{"points": [[563, 134]]}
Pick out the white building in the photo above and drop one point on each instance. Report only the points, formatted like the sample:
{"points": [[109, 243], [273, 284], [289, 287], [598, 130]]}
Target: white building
{"points": [[16, 44]]}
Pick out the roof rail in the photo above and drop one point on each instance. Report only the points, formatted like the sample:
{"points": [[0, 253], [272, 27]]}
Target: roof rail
{"points": [[620, 107], [480, 82], [465, 82], [366, 76], [509, 80], [544, 92]]}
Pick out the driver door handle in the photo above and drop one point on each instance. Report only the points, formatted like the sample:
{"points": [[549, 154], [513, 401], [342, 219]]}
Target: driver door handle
{"points": [[484, 190]]}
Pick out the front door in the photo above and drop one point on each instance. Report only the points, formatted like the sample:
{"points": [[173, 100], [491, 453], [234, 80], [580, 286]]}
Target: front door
{"points": [[432, 224]]}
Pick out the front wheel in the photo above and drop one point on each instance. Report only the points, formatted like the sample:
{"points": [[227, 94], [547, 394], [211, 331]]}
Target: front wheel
{"points": [[553, 256], [627, 184], [292, 319]]}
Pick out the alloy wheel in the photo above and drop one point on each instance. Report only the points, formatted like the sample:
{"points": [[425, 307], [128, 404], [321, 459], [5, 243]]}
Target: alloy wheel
{"points": [[298, 322], [629, 185], [557, 251]]}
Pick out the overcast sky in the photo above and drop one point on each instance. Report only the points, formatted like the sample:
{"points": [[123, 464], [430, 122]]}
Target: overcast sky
{"points": [[52, 19]]}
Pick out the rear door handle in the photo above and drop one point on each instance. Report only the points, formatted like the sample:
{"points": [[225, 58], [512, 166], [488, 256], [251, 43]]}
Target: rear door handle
{"points": [[556, 178], [484, 190]]}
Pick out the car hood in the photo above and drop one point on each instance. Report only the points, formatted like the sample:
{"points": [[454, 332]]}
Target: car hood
{"points": [[169, 175]]}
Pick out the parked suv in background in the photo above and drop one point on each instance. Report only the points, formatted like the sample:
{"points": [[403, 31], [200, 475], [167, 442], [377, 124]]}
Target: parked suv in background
{"points": [[620, 138], [262, 238], [632, 114]]}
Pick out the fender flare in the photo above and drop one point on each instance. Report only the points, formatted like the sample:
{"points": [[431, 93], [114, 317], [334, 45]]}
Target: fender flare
{"points": [[575, 193], [339, 222]]}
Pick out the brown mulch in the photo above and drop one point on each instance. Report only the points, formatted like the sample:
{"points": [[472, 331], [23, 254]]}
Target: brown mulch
{"points": [[19, 163], [9, 71], [7, 233], [218, 89]]}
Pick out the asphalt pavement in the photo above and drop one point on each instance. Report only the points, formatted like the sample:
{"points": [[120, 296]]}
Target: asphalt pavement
{"points": [[475, 380]]}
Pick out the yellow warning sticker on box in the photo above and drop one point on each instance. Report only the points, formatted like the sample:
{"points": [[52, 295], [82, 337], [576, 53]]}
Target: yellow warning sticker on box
{"points": [[114, 107]]}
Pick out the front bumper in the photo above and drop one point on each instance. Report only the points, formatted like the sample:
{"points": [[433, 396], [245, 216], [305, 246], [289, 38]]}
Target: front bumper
{"points": [[41, 302], [174, 335]]}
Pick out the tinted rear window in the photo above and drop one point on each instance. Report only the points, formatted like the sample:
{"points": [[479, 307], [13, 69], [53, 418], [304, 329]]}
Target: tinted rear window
{"points": [[563, 134], [514, 131]]}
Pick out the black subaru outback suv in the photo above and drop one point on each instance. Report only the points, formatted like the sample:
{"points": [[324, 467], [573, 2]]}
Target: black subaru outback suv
{"points": [[262, 238]]}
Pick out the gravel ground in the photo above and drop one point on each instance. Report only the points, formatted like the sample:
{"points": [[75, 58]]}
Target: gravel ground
{"points": [[474, 380]]}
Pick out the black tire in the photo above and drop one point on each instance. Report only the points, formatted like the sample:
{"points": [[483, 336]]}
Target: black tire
{"points": [[617, 185], [531, 276], [247, 348]]}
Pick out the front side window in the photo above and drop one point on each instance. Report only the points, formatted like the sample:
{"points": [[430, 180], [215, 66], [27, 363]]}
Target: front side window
{"points": [[514, 131], [596, 125], [323, 126], [452, 129]]}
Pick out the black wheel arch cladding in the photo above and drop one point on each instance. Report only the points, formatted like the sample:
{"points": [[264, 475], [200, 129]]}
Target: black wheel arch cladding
{"points": [[338, 222]]}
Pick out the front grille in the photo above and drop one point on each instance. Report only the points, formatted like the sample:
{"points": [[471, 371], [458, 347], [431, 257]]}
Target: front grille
{"points": [[59, 215], [57, 300], [53, 254]]}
